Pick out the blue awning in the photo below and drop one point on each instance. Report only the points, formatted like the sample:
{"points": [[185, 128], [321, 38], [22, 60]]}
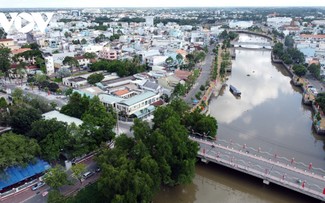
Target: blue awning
{"points": [[13, 175]]}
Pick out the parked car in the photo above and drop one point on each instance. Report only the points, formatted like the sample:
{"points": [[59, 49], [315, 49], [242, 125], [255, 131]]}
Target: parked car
{"points": [[87, 174], [38, 185]]}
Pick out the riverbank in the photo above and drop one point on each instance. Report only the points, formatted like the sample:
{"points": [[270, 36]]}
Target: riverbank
{"points": [[308, 97]]}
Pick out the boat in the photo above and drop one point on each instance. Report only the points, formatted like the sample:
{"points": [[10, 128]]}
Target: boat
{"points": [[234, 90]]}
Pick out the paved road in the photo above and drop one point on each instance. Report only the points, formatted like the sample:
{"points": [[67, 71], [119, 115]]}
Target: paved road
{"points": [[287, 175], [204, 76]]}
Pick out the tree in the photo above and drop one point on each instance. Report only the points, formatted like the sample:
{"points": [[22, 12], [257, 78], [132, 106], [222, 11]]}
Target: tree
{"points": [[56, 177], [95, 78], [202, 124], [18, 96], [52, 136], [53, 87], [4, 60], [68, 92], [17, 150], [289, 42], [90, 55], [98, 121], [76, 106], [299, 70], [63, 72], [315, 70], [320, 100], [78, 170], [83, 41], [22, 119], [70, 61], [179, 58], [40, 78], [179, 90], [3, 103], [55, 196], [129, 174], [169, 61]]}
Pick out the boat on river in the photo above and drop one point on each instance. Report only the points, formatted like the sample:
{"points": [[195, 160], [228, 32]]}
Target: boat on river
{"points": [[234, 91]]}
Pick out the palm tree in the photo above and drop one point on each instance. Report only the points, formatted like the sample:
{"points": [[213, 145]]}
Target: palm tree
{"points": [[21, 71]]}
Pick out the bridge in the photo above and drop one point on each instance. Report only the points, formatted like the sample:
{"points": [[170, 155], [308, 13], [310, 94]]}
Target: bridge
{"points": [[252, 45], [289, 173]]}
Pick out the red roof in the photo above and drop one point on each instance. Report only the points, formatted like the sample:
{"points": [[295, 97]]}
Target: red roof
{"points": [[6, 40], [312, 36], [158, 103]]}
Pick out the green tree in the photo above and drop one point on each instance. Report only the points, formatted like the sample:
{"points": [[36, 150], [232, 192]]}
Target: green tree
{"points": [[56, 177], [52, 136], [299, 70], [83, 41], [169, 61], [18, 96], [55, 196], [3, 103], [78, 170], [4, 60], [70, 61], [320, 100], [17, 150], [90, 55], [315, 70], [22, 119], [98, 121], [179, 58], [95, 78], [179, 90], [76, 106], [63, 72]]}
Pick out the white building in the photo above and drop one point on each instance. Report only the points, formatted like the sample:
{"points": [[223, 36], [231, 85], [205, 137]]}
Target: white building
{"points": [[49, 63], [62, 117], [277, 22]]}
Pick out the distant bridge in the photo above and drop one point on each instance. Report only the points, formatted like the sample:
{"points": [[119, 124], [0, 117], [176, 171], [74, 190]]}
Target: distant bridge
{"points": [[297, 176], [252, 45]]}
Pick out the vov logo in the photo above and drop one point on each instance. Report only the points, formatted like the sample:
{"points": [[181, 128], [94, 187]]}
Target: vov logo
{"points": [[32, 19]]}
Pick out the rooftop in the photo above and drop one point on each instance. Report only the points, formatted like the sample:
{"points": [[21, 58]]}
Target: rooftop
{"points": [[62, 117], [138, 98], [109, 99]]}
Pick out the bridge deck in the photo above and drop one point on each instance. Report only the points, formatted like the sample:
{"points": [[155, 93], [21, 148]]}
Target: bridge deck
{"points": [[304, 180]]}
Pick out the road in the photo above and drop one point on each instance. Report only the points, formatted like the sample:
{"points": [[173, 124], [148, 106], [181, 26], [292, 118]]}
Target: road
{"points": [[203, 77], [287, 175]]}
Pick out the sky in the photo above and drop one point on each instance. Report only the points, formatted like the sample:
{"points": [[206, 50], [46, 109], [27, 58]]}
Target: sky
{"points": [[157, 3]]}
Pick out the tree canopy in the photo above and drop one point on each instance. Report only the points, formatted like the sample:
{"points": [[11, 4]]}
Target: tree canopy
{"points": [[17, 150], [121, 67], [95, 78], [299, 70], [56, 177]]}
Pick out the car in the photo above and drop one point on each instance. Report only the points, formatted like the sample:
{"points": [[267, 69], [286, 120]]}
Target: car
{"points": [[87, 174], [38, 185]]}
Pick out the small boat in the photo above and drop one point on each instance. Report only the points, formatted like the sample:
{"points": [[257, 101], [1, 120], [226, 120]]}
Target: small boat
{"points": [[234, 90]]}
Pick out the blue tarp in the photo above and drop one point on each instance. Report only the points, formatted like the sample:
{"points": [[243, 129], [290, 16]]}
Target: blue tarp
{"points": [[13, 175]]}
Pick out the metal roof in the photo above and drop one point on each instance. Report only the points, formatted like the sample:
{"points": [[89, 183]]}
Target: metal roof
{"points": [[138, 98]]}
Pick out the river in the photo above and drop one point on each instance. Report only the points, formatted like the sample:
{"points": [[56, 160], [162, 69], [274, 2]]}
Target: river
{"points": [[268, 115]]}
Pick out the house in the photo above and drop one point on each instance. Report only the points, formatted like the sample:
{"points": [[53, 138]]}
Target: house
{"points": [[107, 53], [74, 82], [139, 105], [9, 43], [83, 62], [151, 86]]}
